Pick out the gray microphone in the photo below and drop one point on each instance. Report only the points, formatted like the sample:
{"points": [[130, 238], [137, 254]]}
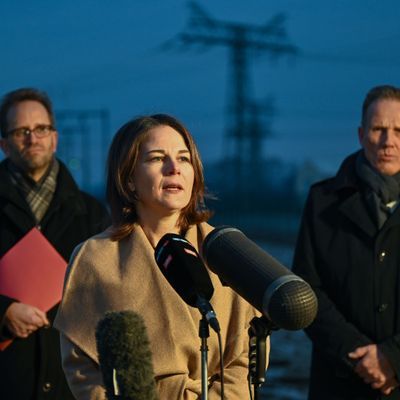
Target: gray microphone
{"points": [[281, 296]]}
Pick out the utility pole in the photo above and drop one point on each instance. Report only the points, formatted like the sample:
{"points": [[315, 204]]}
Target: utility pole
{"points": [[85, 135], [259, 127], [242, 42]]}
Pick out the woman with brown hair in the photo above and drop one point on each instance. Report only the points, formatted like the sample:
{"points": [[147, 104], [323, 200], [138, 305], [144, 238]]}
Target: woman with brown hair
{"points": [[155, 185]]}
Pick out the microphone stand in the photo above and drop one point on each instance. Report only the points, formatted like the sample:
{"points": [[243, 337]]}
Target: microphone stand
{"points": [[260, 329], [204, 333]]}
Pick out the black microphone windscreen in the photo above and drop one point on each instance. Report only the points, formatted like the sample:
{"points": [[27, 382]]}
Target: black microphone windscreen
{"points": [[183, 268], [283, 297], [125, 357]]}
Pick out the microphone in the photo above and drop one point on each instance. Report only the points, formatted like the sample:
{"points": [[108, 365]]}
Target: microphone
{"points": [[181, 265], [281, 296], [125, 357]]}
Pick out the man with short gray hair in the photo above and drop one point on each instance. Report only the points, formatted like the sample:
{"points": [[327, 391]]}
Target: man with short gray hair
{"points": [[348, 249]]}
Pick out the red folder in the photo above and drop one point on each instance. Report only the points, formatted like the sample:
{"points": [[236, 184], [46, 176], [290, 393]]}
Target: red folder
{"points": [[32, 271]]}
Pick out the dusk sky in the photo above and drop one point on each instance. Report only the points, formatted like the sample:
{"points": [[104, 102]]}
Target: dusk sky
{"points": [[91, 54]]}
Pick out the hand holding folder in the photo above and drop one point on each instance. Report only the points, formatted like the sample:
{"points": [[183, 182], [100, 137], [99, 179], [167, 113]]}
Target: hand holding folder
{"points": [[32, 272]]}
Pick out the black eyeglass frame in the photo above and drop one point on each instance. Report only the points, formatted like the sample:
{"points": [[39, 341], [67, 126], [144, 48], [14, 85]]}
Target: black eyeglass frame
{"points": [[40, 131]]}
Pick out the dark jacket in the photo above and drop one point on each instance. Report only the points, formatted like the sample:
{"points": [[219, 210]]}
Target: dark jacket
{"points": [[354, 269], [31, 368]]}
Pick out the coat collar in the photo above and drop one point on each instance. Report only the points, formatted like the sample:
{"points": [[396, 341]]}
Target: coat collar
{"points": [[8, 190], [67, 192], [109, 276], [346, 177], [348, 188], [14, 206]]}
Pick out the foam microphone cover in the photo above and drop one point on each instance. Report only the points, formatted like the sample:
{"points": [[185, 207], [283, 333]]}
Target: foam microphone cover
{"points": [[281, 296], [125, 357]]}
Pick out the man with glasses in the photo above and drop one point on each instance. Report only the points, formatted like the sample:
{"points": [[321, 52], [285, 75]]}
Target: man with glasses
{"points": [[36, 190]]}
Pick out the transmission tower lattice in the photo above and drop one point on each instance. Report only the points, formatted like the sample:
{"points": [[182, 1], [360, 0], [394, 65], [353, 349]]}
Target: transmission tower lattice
{"points": [[242, 41]]}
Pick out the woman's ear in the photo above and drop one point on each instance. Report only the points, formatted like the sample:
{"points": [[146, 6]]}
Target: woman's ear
{"points": [[133, 195], [131, 186]]}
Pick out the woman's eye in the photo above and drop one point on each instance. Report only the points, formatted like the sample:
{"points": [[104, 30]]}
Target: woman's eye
{"points": [[156, 158], [184, 159]]}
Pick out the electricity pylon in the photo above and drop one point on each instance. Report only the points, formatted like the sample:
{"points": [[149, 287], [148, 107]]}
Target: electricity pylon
{"points": [[243, 41]]}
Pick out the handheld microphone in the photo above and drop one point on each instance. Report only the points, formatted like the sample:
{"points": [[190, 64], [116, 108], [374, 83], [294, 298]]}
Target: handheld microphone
{"points": [[125, 357], [181, 265], [281, 296]]}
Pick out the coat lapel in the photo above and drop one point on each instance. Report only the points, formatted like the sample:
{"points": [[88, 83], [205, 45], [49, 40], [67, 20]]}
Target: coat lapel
{"points": [[66, 205], [393, 220], [14, 207], [355, 210], [353, 206]]}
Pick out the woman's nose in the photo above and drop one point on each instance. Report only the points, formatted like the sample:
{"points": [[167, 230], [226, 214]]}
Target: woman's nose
{"points": [[173, 167]]}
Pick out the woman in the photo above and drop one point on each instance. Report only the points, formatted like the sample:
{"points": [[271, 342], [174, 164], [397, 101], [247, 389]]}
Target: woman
{"points": [[155, 186]]}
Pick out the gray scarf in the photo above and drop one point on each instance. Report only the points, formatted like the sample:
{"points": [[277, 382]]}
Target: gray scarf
{"points": [[37, 194], [383, 191]]}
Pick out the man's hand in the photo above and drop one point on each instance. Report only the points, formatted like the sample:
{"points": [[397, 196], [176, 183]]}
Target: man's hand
{"points": [[22, 319], [374, 368], [389, 386]]}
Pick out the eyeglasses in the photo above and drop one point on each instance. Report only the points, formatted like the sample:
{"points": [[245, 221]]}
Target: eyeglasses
{"points": [[40, 131]]}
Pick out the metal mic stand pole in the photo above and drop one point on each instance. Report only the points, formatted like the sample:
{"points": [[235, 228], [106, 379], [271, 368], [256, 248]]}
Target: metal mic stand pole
{"points": [[204, 333], [260, 329]]}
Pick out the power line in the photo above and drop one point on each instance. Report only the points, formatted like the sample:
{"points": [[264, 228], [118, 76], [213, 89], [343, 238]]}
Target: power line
{"points": [[356, 59]]}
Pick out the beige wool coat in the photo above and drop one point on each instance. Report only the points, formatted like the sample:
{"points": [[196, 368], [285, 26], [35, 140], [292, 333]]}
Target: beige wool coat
{"points": [[106, 275]]}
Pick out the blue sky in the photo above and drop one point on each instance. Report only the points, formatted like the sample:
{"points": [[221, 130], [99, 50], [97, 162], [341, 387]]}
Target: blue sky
{"points": [[100, 54]]}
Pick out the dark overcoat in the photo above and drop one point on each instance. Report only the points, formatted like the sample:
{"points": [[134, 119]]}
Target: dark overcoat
{"points": [[31, 368], [354, 269]]}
